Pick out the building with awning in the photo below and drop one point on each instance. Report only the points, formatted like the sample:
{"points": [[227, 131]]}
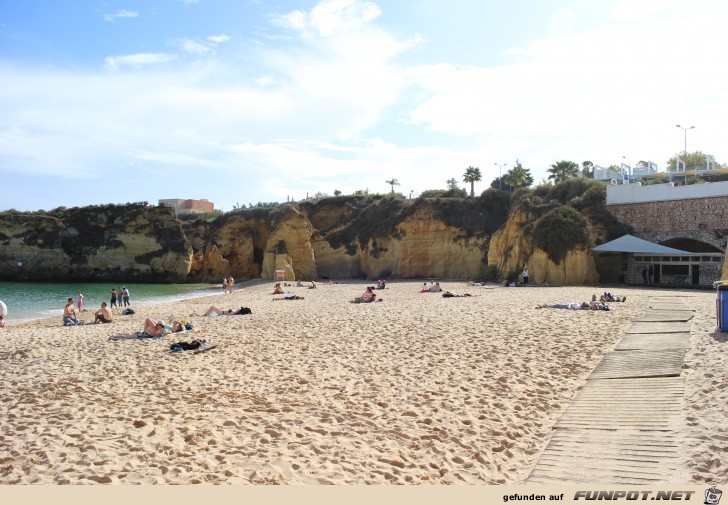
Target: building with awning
{"points": [[669, 266]]}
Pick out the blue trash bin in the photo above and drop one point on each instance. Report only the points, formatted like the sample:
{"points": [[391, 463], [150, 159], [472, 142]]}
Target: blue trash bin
{"points": [[722, 308]]}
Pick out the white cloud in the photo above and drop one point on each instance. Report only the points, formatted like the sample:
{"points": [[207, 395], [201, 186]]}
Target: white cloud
{"points": [[218, 39], [567, 92], [296, 114], [138, 60], [121, 14], [330, 17], [193, 47]]}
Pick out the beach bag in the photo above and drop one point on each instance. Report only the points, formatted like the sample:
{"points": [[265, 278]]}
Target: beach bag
{"points": [[128, 312], [186, 346]]}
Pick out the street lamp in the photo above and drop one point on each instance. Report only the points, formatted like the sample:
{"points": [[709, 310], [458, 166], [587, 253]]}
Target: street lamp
{"points": [[685, 151], [500, 174], [629, 164]]}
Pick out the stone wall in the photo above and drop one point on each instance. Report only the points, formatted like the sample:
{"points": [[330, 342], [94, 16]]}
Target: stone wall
{"points": [[704, 219]]}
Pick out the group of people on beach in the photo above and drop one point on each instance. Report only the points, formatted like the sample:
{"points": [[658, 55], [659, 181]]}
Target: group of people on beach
{"points": [[594, 304], [434, 287], [71, 317], [122, 297], [228, 284]]}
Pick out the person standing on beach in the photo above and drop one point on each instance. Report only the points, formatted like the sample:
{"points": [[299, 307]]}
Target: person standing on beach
{"points": [[525, 276], [3, 313], [231, 284], [127, 302], [224, 285], [80, 301], [113, 297], [644, 276], [650, 273]]}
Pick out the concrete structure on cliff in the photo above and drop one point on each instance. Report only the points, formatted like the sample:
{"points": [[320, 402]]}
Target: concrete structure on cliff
{"points": [[690, 218], [182, 206]]}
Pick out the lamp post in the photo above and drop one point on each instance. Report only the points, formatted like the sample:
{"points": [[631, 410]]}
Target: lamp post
{"points": [[500, 175], [629, 164], [685, 130]]}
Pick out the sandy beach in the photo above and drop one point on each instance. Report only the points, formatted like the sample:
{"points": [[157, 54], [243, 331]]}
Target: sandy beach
{"points": [[415, 389]]}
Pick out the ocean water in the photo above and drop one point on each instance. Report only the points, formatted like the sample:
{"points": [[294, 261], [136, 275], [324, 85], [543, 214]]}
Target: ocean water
{"points": [[37, 300]]}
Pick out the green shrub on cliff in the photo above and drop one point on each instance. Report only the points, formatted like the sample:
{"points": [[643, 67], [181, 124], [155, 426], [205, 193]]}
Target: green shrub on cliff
{"points": [[560, 230]]}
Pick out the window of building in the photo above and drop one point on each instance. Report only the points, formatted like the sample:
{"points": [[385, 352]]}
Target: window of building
{"points": [[676, 270]]}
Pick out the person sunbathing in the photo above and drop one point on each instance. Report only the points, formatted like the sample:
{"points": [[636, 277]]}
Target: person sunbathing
{"points": [[448, 294], [608, 297], [594, 305], [289, 297], [368, 297], [569, 306], [278, 290], [103, 315], [216, 311], [69, 315], [152, 329]]}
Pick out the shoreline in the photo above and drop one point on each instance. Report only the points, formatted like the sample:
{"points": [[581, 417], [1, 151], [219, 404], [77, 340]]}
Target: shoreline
{"points": [[416, 389]]}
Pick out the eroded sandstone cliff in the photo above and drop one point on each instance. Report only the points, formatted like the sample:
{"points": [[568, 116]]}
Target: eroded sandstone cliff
{"points": [[340, 237], [100, 243]]}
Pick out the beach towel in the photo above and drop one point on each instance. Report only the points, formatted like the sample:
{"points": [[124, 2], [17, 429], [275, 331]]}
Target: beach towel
{"points": [[140, 335]]}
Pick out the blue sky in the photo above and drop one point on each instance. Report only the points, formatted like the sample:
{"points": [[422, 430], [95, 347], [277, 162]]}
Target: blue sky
{"points": [[247, 101]]}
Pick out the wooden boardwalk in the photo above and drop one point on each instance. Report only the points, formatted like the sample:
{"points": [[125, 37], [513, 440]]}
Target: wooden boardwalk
{"points": [[622, 426]]}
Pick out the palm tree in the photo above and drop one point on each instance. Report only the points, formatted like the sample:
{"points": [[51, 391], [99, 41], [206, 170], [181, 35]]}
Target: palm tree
{"points": [[472, 175], [587, 169], [563, 170], [393, 183], [517, 177]]}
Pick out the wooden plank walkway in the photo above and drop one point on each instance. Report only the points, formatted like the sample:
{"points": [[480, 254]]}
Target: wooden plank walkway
{"points": [[653, 341], [659, 327], [622, 427], [654, 316], [639, 363], [624, 457]]}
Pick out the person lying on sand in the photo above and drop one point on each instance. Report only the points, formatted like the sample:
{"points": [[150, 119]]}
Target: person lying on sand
{"points": [[448, 294], [216, 311], [290, 297], [608, 297], [595, 305], [152, 329]]}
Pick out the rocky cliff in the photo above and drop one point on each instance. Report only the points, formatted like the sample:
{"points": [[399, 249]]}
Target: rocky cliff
{"points": [[339, 237], [102, 243], [346, 238]]}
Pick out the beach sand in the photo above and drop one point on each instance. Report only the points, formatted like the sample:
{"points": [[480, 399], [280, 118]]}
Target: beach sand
{"points": [[415, 389]]}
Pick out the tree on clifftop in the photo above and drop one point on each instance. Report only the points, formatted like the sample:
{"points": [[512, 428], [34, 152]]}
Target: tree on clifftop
{"points": [[393, 183], [562, 170], [518, 177], [472, 175]]}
